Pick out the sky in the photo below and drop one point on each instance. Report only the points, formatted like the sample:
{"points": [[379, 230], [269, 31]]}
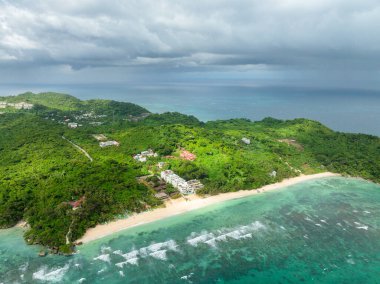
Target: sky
{"points": [[316, 43]]}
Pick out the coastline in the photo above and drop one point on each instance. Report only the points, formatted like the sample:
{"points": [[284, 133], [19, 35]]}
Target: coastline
{"points": [[181, 205]]}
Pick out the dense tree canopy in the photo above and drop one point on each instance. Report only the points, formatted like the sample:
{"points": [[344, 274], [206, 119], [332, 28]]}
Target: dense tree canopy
{"points": [[41, 174]]}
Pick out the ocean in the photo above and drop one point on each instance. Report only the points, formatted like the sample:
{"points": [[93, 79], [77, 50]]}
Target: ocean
{"points": [[319, 231], [356, 111]]}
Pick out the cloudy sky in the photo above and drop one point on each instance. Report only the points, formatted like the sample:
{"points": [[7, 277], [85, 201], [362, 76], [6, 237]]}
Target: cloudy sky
{"points": [[328, 43]]}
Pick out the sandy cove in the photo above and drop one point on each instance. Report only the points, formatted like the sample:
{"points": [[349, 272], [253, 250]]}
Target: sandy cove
{"points": [[181, 205]]}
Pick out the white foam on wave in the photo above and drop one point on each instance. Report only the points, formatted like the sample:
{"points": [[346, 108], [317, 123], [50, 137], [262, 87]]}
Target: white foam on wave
{"points": [[211, 242], [362, 228], [54, 275], [105, 249], [104, 257], [366, 212], [350, 261], [119, 252], [308, 219], [323, 221], [257, 225], [81, 280], [132, 261], [121, 264], [121, 273], [156, 250], [24, 267], [319, 225], [160, 254], [224, 235], [187, 277], [131, 254], [168, 245], [194, 241], [101, 270]]}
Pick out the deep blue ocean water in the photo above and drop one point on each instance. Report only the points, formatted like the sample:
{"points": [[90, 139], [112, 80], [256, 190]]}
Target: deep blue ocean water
{"points": [[320, 231], [355, 111]]}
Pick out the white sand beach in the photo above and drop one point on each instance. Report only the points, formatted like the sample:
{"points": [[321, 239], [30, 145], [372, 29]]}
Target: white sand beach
{"points": [[181, 205]]}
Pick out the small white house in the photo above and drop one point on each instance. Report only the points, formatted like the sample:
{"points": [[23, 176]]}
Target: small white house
{"points": [[246, 140], [108, 143], [144, 155], [160, 165], [273, 174], [72, 125]]}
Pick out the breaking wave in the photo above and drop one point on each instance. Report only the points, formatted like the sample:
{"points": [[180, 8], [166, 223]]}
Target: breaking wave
{"points": [[223, 235], [155, 250], [53, 275], [103, 257]]}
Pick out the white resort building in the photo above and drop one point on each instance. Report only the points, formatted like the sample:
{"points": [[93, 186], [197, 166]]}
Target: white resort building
{"points": [[72, 125], [109, 143], [144, 155], [21, 105], [185, 187]]}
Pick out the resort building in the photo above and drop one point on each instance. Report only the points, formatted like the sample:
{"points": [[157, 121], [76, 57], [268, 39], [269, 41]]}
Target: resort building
{"points": [[109, 143], [246, 140], [144, 155], [21, 105], [183, 186], [72, 125], [195, 184], [95, 123], [100, 137]]}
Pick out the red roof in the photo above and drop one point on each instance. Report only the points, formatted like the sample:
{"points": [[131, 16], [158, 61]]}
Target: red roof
{"points": [[187, 155], [76, 204]]}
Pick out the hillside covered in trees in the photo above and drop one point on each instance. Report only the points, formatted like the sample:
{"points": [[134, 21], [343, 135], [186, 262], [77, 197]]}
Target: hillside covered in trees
{"points": [[55, 175]]}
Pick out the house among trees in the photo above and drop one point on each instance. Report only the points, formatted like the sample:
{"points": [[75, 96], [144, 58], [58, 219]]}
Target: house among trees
{"points": [[273, 174], [76, 204], [100, 137], [72, 125], [144, 155], [109, 143], [186, 155], [160, 165], [246, 140]]}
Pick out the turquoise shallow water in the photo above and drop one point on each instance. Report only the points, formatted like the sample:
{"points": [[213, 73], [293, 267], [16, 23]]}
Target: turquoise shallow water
{"points": [[321, 231]]}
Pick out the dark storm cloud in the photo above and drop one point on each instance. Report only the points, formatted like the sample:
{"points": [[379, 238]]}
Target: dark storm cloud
{"points": [[67, 36]]}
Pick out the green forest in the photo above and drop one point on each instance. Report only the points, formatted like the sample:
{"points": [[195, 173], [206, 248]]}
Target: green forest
{"points": [[42, 173]]}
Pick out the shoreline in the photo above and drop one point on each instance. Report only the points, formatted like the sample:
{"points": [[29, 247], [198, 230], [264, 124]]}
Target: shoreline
{"points": [[181, 205]]}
